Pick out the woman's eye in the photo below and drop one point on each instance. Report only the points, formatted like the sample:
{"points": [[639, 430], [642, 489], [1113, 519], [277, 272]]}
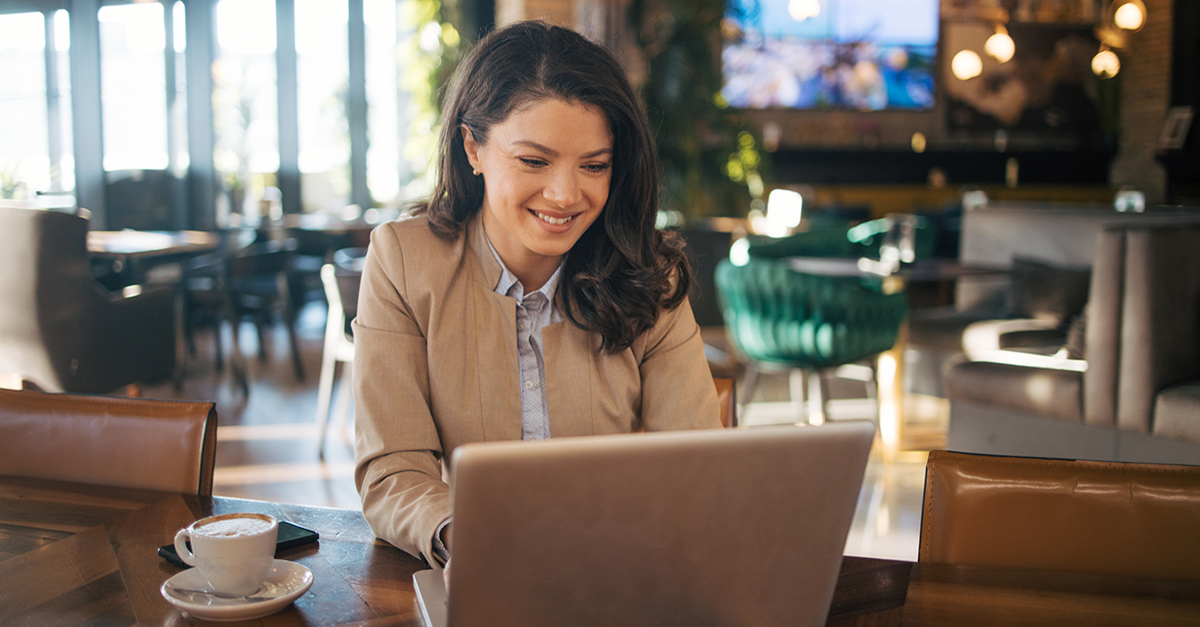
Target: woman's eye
{"points": [[533, 163], [596, 167]]}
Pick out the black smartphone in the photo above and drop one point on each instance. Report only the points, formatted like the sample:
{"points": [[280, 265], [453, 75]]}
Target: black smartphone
{"points": [[289, 536]]}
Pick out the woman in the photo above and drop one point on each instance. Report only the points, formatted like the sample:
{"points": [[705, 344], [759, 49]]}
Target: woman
{"points": [[531, 295]]}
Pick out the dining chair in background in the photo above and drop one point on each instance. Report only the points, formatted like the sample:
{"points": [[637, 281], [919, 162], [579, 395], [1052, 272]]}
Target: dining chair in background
{"points": [[341, 281], [805, 324], [1101, 518], [116, 441], [243, 282], [726, 401], [60, 330]]}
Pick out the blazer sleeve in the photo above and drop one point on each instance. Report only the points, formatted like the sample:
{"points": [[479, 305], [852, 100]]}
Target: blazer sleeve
{"points": [[397, 449], [677, 385]]}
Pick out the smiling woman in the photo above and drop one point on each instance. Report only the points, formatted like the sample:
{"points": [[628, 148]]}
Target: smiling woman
{"points": [[550, 170], [531, 295]]}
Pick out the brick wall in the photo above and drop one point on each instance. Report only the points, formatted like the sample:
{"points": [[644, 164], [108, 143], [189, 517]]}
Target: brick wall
{"points": [[1145, 95]]}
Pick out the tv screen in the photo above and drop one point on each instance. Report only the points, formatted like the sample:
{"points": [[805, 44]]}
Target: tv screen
{"points": [[816, 54]]}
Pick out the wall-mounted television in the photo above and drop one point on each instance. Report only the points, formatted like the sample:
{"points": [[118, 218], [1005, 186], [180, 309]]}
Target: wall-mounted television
{"points": [[825, 54]]}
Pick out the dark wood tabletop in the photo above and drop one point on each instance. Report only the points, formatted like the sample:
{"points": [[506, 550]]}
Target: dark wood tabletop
{"points": [[75, 554]]}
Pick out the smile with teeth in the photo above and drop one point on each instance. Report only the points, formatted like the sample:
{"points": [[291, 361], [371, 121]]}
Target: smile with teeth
{"points": [[552, 220]]}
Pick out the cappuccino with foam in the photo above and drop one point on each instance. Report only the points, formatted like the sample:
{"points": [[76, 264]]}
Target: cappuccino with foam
{"points": [[231, 525], [234, 552]]}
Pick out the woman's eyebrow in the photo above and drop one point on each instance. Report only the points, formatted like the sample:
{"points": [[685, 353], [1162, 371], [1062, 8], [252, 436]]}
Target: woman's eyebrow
{"points": [[554, 153]]}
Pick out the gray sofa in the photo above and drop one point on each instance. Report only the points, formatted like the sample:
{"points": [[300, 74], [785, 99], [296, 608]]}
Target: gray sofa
{"points": [[1062, 235], [1133, 392]]}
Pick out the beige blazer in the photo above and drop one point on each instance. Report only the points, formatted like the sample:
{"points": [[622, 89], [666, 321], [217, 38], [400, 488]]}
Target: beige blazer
{"points": [[436, 366]]}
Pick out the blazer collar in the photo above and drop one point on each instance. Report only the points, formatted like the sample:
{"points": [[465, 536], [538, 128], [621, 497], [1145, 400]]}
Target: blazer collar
{"points": [[477, 243]]}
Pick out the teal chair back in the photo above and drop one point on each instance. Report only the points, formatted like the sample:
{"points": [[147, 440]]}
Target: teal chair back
{"points": [[777, 315]]}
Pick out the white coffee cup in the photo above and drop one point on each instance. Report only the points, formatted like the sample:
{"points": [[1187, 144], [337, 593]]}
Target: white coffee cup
{"points": [[232, 551]]}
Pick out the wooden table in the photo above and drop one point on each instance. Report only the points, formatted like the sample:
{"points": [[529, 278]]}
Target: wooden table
{"points": [[72, 553]]}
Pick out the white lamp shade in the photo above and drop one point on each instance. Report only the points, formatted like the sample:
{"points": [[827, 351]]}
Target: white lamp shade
{"points": [[1000, 47], [966, 65]]}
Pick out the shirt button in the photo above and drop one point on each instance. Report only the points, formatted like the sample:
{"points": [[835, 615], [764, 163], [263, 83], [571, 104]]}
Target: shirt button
{"points": [[529, 385]]}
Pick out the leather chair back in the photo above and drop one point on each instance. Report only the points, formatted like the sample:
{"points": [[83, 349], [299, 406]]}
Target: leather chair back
{"points": [[135, 443], [1136, 520]]}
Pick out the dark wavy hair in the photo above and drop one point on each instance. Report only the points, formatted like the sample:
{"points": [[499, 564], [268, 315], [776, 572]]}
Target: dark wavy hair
{"points": [[622, 272]]}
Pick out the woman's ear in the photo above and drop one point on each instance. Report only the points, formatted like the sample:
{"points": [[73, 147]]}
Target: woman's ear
{"points": [[471, 147]]}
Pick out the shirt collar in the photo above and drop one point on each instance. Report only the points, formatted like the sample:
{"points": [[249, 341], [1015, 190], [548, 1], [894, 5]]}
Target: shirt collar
{"points": [[508, 279]]}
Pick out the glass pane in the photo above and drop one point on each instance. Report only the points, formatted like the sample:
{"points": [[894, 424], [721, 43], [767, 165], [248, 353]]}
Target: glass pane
{"points": [[322, 68], [62, 170], [133, 86], [245, 96], [179, 106], [24, 149], [388, 172]]}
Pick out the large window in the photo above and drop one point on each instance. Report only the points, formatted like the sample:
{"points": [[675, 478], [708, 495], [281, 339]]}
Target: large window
{"points": [[35, 105], [133, 86], [278, 113], [388, 171], [322, 81], [245, 98]]}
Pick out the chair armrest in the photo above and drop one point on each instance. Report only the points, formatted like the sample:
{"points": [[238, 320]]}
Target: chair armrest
{"points": [[985, 341]]}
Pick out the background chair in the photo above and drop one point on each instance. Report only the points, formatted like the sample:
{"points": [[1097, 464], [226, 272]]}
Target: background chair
{"points": [[726, 400], [783, 319], [135, 443], [1124, 388], [59, 329], [246, 282], [341, 281], [1136, 520]]}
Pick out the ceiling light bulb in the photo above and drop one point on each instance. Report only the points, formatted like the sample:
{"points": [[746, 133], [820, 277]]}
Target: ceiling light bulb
{"points": [[1106, 64], [801, 10], [1129, 16], [966, 65], [1000, 46], [918, 142]]}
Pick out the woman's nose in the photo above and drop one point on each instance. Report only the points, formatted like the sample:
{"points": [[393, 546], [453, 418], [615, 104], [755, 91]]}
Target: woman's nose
{"points": [[563, 189]]}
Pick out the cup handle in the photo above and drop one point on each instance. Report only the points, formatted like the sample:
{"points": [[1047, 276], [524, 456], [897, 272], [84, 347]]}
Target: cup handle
{"points": [[181, 547]]}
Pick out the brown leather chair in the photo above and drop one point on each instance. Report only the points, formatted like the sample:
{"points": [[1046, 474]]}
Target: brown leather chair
{"points": [[1135, 520], [726, 400], [127, 442], [59, 329]]}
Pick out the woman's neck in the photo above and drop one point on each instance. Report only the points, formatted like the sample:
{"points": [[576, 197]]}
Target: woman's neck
{"points": [[531, 269]]}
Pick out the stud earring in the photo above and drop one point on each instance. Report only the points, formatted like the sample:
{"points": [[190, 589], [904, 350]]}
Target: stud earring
{"points": [[475, 172]]}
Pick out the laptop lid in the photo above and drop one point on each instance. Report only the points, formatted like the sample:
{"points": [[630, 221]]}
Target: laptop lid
{"points": [[711, 527]]}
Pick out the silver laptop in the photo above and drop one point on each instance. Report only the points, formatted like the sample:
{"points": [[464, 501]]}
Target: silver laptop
{"points": [[712, 527]]}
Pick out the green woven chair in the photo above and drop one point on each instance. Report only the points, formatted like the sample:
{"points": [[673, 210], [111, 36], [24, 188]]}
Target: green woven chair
{"points": [[781, 319]]}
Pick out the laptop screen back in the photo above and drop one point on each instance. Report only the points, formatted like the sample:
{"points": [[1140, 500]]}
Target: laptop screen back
{"points": [[714, 527]]}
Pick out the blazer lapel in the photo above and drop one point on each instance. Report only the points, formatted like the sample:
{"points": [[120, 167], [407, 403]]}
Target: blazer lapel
{"points": [[568, 379], [495, 325]]}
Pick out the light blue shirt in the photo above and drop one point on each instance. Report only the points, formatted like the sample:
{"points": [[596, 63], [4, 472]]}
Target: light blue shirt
{"points": [[535, 311]]}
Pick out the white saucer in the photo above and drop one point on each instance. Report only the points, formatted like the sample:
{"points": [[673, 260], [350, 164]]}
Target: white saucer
{"points": [[287, 581]]}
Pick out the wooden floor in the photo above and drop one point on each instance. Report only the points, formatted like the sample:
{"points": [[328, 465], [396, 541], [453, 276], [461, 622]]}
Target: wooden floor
{"points": [[267, 441]]}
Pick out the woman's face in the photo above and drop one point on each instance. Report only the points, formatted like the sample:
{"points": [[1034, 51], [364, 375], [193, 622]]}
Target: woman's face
{"points": [[546, 172]]}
